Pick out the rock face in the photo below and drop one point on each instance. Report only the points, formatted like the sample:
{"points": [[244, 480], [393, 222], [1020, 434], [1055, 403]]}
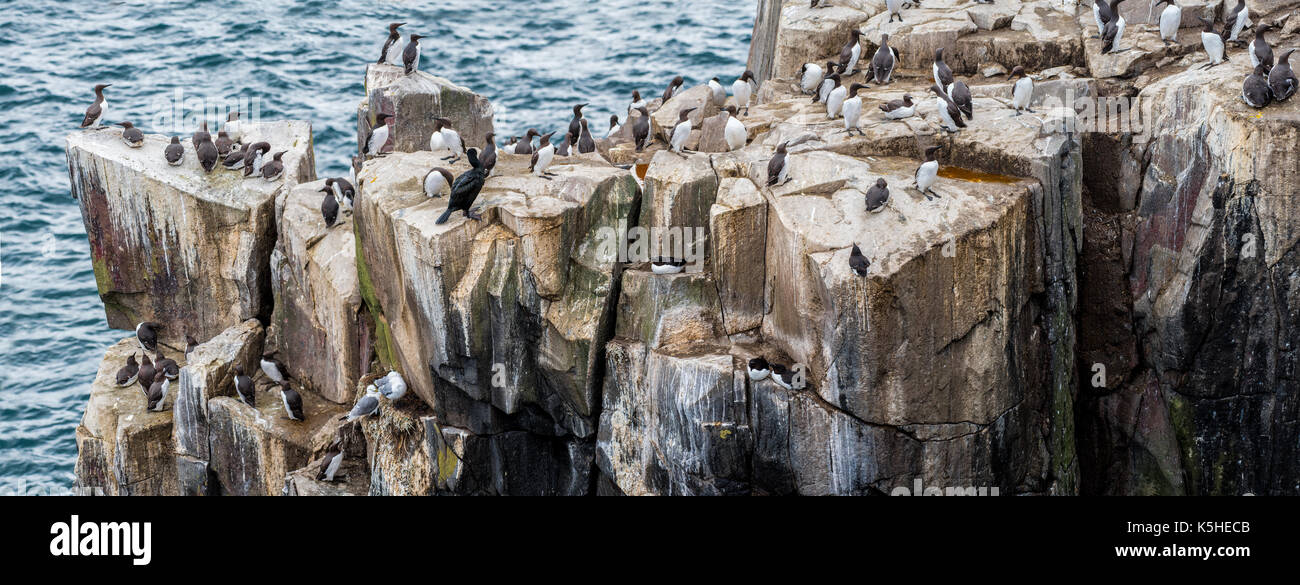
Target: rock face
{"points": [[498, 323], [317, 298], [122, 447], [414, 101], [209, 374], [175, 245], [1207, 264]]}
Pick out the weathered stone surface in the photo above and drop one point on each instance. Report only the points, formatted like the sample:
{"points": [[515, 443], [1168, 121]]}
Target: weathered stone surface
{"points": [[665, 119], [1210, 261], [317, 297], [175, 245], [254, 449], [529, 288], [414, 101], [122, 447], [737, 220]]}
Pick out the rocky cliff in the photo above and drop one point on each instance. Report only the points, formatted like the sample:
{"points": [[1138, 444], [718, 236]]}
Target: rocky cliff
{"points": [[546, 355]]}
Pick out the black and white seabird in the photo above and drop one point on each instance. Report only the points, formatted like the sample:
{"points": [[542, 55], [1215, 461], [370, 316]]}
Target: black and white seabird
{"points": [[665, 265], [928, 173], [782, 376], [146, 373], [233, 127], [436, 180], [378, 135], [810, 77], [96, 111], [329, 465], [673, 88], [682, 130], [542, 158], [641, 129], [126, 375], [759, 369], [273, 367], [742, 90], [157, 393], [1212, 42], [235, 160], [1235, 21], [614, 127], [1255, 90], [368, 405], [206, 152], [244, 387], [827, 84], [734, 131], [960, 94], [942, 73], [835, 99], [329, 207], [562, 149], [1170, 19], [717, 94], [131, 135], [574, 126], [851, 52], [466, 188], [254, 156], [637, 102], [1281, 79], [224, 144], [273, 170], [852, 109], [525, 146], [1260, 52], [391, 386], [1022, 90], [489, 155], [1114, 31], [509, 148], [1102, 15], [411, 55], [899, 109], [344, 193], [190, 343], [392, 51], [950, 116], [895, 8], [175, 152], [882, 64], [877, 196], [778, 169], [586, 144], [292, 402], [858, 262], [446, 137], [201, 134], [146, 334], [166, 366]]}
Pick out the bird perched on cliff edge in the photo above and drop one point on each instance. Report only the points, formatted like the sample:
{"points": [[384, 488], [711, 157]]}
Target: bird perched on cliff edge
{"points": [[207, 155], [292, 402], [877, 196], [1114, 32], [146, 334], [942, 73], [329, 207], [145, 374], [411, 55], [525, 146], [392, 386], [928, 173], [1212, 42], [329, 465], [244, 387], [378, 135], [574, 126], [852, 109], [882, 64], [157, 393], [126, 375], [368, 405], [851, 52], [392, 51], [273, 170], [950, 116], [466, 188], [717, 95], [344, 193], [1022, 90], [489, 156], [131, 135], [166, 366], [960, 94], [1281, 79], [1260, 52], [1235, 21], [734, 131], [254, 157], [899, 109], [273, 367], [858, 262], [641, 129], [175, 152], [778, 169], [436, 180], [1170, 19], [682, 130], [673, 87], [742, 90], [1254, 90], [759, 369], [96, 111]]}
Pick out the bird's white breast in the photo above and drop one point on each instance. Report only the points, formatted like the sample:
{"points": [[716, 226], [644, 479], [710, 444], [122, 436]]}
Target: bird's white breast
{"points": [[810, 77], [926, 175], [835, 101], [680, 133], [544, 157], [434, 184], [1024, 91], [852, 108], [378, 138], [736, 134], [1170, 19]]}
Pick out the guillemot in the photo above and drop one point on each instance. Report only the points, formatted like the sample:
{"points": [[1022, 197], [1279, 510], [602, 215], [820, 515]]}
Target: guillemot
{"points": [[329, 207], [166, 366], [466, 189], [860, 264], [899, 109], [1235, 21], [586, 144], [392, 51], [928, 173], [157, 393], [778, 169], [960, 94], [489, 155], [273, 170], [273, 367], [742, 90], [1281, 79], [1260, 52], [96, 111], [329, 465], [145, 374], [1255, 90], [447, 138], [542, 158], [1213, 44], [942, 73], [641, 129], [206, 152], [665, 265], [436, 180], [146, 334], [254, 156], [344, 193], [525, 146], [614, 127], [835, 99], [126, 375], [877, 196], [734, 131], [717, 95], [1170, 19], [175, 152], [292, 402], [574, 125], [1022, 91], [882, 64], [131, 135], [244, 387], [411, 55], [950, 115], [682, 130], [378, 135], [851, 52], [1114, 30], [673, 87], [759, 369], [852, 109]]}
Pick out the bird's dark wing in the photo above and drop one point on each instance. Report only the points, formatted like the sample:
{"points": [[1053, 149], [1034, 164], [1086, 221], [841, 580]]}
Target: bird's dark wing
{"points": [[92, 112], [955, 112], [774, 168], [532, 165]]}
